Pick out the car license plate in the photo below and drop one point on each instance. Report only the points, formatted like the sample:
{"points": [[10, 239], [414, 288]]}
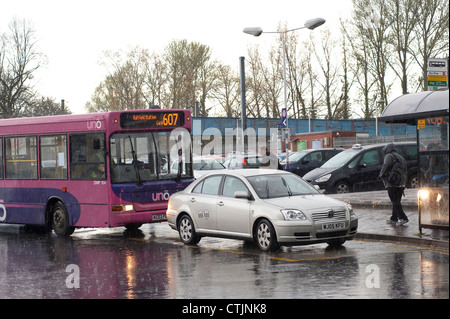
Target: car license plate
{"points": [[159, 217], [333, 226]]}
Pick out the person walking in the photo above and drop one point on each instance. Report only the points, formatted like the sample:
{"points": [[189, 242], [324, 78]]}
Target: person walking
{"points": [[395, 186]]}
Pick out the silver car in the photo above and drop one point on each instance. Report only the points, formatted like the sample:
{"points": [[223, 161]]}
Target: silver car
{"points": [[269, 207]]}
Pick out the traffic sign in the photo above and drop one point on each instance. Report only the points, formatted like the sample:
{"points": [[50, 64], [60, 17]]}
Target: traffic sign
{"points": [[284, 117]]}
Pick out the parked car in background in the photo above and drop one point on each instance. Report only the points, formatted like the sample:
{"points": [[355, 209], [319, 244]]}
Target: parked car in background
{"points": [[302, 162], [239, 160], [204, 164], [357, 169], [269, 207], [201, 165]]}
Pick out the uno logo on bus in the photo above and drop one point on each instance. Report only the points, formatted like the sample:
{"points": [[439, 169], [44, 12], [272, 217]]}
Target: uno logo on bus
{"points": [[94, 125], [160, 196], [2, 213]]}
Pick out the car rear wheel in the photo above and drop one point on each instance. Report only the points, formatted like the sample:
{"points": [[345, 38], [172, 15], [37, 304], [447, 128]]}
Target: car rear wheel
{"points": [[265, 236], [187, 232], [414, 182]]}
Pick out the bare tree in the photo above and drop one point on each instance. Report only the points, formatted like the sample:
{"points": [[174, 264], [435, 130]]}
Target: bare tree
{"points": [[296, 73], [190, 74], [123, 88], [19, 60], [325, 56], [226, 90], [403, 15], [254, 83], [156, 79], [273, 83], [370, 20], [359, 69], [44, 106], [431, 34]]}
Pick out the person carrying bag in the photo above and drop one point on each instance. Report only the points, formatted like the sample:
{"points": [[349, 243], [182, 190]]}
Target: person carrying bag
{"points": [[394, 176]]}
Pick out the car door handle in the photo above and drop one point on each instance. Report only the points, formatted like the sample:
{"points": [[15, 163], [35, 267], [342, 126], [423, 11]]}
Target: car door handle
{"points": [[220, 203]]}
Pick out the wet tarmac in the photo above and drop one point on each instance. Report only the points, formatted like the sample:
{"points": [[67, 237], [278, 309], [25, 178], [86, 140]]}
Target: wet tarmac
{"points": [[153, 263]]}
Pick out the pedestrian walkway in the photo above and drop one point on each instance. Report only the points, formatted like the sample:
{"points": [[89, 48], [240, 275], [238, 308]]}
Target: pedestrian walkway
{"points": [[374, 208]]}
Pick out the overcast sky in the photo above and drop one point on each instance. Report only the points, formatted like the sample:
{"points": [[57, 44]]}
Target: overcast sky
{"points": [[74, 34]]}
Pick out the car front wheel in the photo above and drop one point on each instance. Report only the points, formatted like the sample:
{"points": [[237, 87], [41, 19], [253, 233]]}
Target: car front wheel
{"points": [[342, 187], [265, 236], [187, 232]]}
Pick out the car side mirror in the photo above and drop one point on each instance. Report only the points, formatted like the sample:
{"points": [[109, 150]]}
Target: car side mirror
{"points": [[241, 194]]}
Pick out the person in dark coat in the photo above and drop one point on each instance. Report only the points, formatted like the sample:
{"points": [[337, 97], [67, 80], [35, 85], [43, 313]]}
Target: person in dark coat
{"points": [[395, 192]]}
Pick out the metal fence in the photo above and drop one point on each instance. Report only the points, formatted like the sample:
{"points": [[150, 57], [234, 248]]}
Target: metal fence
{"points": [[369, 140]]}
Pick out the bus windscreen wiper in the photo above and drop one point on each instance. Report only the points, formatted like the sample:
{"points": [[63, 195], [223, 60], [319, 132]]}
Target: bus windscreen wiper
{"points": [[135, 163]]}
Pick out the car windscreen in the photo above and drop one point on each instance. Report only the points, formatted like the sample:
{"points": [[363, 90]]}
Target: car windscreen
{"points": [[282, 185], [206, 164], [297, 156], [340, 159]]}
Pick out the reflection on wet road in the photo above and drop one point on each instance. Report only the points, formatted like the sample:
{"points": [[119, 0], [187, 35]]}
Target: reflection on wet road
{"points": [[152, 263]]}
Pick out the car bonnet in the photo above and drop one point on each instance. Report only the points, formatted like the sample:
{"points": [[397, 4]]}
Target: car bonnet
{"points": [[306, 203], [317, 172]]}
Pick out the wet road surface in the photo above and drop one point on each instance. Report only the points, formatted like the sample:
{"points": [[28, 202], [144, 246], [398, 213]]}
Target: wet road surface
{"points": [[153, 263]]}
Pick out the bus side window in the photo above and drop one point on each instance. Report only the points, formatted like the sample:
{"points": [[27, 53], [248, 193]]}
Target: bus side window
{"points": [[87, 156], [53, 151], [21, 157]]}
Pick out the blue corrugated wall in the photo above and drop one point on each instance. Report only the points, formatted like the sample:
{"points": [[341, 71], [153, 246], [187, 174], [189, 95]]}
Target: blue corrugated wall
{"points": [[199, 125]]}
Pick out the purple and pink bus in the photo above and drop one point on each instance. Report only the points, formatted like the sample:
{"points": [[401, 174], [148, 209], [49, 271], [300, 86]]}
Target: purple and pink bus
{"points": [[93, 170]]}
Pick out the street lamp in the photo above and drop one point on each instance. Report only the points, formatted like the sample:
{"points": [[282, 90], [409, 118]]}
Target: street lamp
{"points": [[257, 31]]}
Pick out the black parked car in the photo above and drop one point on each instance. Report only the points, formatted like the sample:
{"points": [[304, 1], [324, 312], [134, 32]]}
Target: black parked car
{"points": [[357, 169], [302, 162]]}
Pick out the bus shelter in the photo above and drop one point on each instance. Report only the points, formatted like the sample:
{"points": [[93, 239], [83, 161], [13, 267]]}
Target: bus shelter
{"points": [[429, 112]]}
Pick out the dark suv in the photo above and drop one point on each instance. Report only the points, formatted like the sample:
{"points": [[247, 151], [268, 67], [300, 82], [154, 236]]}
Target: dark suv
{"points": [[357, 169], [302, 162]]}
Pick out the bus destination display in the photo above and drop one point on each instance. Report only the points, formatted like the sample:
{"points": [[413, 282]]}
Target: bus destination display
{"points": [[151, 119]]}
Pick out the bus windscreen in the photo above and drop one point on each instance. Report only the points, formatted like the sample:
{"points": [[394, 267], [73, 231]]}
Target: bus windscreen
{"points": [[138, 120]]}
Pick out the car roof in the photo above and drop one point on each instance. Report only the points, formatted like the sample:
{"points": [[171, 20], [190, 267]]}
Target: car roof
{"points": [[365, 147], [321, 149], [253, 172]]}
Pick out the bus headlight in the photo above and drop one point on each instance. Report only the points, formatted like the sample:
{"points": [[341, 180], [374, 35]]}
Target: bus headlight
{"points": [[122, 208]]}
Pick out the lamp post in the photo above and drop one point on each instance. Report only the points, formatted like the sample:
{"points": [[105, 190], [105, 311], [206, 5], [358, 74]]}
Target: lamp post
{"points": [[309, 118], [257, 31]]}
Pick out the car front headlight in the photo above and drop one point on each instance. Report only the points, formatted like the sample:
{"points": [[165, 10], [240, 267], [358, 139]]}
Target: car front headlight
{"points": [[293, 214], [323, 178], [350, 210]]}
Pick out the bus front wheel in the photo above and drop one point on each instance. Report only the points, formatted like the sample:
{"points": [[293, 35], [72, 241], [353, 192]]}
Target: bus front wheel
{"points": [[60, 220]]}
